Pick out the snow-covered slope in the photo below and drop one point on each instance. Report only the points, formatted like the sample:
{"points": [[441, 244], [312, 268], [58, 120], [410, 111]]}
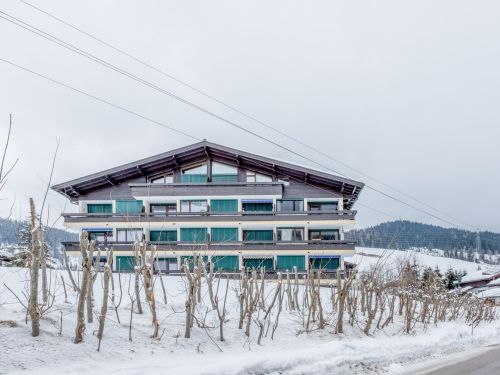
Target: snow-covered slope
{"points": [[366, 257]]}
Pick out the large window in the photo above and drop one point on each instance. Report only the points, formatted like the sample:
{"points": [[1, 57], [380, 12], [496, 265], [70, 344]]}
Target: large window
{"points": [[129, 235], [193, 234], [290, 234], [224, 205], [195, 174], [99, 208], [129, 206], [224, 173], [257, 205], [163, 179], [163, 235], [257, 235], [224, 235], [323, 206], [290, 205], [194, 206], [256, 177], [324, 235], [162, 208]]}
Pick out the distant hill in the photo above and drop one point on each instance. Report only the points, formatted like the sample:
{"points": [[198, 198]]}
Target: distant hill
{"points": [[455, 243], [10, 231]]}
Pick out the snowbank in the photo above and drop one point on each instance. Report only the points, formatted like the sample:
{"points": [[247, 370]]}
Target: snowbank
{"points": [[291, 352]]}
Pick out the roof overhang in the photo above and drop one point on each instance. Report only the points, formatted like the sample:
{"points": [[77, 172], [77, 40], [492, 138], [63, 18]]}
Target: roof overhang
{"points": [[199, 152]]}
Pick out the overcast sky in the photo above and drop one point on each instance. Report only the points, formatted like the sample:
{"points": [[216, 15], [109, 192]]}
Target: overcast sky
{"points": [[408, 92]]}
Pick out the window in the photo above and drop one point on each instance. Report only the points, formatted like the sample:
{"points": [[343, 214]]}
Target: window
{"points": [[290, 234], [163, 208], [163, 179], [101, 235], [224, 205], [323, 206], [256, 177], [258, 235], [129, 206], [194, 206], [196, 174], [324, 235], [163, 235], [257, 205], [290, 205], [129, 235], [224, 235], [193, 234], [224, 173], [99, 208]]}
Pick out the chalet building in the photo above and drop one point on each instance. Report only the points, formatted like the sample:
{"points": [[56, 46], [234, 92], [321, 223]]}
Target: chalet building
{"points": [[234, 208]]}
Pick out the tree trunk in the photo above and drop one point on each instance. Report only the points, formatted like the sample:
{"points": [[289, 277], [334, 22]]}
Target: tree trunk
{"points": [[85, 247], [35, 265]]}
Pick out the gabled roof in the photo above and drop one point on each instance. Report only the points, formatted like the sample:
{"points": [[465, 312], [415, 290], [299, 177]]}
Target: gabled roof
{"points": [[198, 152]]}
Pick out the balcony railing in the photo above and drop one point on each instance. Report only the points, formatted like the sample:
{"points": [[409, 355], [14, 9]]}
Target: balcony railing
{"points": [[211, 216], [232, 246]]}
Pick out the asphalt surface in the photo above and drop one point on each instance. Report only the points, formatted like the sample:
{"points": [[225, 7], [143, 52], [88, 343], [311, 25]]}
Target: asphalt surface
{"points": [[487, 363]]}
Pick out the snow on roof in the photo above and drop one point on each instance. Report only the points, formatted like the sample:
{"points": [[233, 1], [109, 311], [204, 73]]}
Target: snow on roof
{"points": [[480, 275], [490, 293], [495, 282]]}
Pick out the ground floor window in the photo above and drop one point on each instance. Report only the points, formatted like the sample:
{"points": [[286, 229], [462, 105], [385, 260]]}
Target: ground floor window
{"points": [[324, 262], [258, 263]]}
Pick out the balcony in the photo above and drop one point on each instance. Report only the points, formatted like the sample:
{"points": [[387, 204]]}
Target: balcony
{"points": [[243, 246], [208, 216]]}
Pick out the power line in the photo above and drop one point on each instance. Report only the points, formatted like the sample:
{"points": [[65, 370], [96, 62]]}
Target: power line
{"points": [[99, 99], [83, 53], [232, 108]]}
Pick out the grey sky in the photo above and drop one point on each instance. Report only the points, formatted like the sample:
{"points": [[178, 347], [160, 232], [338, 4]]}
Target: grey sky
{"points": [[407, 92]]}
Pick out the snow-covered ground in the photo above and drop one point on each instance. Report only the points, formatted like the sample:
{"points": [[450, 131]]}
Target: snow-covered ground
{"points": [[291, 352]]}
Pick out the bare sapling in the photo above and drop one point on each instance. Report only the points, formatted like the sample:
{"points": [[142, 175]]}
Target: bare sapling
{"points": [[280, 306], [253, 301], [342, 290], [147, 275], [86, 248], [160, 272], [116, 304], [70, 274], [262, 321], [90, 286], [290, 300], [221, 313], [65, 292], [34, 311], [137, 273], [105, 296], [209, 278], [190, 300], [44, 252], [242, 297]]}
